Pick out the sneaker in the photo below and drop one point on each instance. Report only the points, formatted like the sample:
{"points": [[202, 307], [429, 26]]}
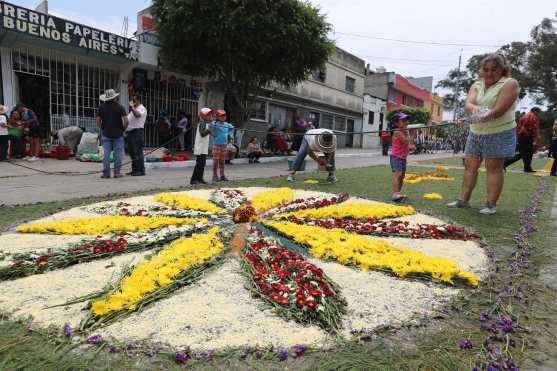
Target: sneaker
{"points": [[290, 178], [105, 176], [529, 171], [398, 197], [488, 210], [216, 179], [33, 159], [552, 174], [332, 179], [459, 204], [203, 182]]}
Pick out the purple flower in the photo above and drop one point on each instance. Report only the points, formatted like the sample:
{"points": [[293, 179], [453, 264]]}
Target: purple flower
{"points": [[282, 354], [299, 350], [465, 344], [29, 328], [487, 343], [493, 366], [113, 349], [95, 339], [258, 354], [495, 352], [476, 369], [150, 352], [200, 355], [68, 331], [182, 357], [484, 317]]}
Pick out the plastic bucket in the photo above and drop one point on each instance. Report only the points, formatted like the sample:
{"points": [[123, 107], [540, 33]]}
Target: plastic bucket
{"points": [[291, 164]]}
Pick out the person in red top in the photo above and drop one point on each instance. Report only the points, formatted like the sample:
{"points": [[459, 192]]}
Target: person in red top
{"points": [[528, 133], [385, 141]]}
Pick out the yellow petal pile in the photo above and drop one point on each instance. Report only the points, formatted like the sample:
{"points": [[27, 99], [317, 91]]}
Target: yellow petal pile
{"points": [[105, 224], [433, 196], [413, 178], [366, 253], [160, 271], [270, 199], [183, 201], [311, 181], [356, 210]]}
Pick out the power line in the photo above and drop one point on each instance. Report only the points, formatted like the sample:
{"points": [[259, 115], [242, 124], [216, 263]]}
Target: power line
{"points": [[417, 42]]}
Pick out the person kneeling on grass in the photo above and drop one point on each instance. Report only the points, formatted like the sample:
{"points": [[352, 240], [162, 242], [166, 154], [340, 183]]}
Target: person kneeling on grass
{"points": [[317, 140], [401, 146]]}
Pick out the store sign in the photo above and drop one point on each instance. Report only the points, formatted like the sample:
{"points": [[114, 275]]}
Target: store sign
{"points": [[44, 26], [150, 38]]}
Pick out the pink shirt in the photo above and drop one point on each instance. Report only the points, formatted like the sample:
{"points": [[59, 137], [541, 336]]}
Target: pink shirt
{"points": [[400, 149]]}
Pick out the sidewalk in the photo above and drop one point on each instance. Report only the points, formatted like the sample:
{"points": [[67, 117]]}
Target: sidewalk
{"points": [[20, 185]]}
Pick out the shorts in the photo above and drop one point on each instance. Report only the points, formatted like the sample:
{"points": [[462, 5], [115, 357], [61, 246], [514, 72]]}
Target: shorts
{"points": [[398, 164], [220, 152], [35, 131], [500, 145]]}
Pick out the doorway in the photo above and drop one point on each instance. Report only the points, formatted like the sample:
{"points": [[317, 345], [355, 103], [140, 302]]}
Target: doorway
{"points": [[34, 92], [350, 136]]}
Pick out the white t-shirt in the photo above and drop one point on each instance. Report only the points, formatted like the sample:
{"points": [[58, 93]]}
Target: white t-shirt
{"points": [[137, 122], [311, 136], [3, 121]]}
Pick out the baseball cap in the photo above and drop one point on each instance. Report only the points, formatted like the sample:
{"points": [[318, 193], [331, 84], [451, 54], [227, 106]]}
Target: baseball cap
{"points": [[206, 110], [221, 112], [400, 116]]}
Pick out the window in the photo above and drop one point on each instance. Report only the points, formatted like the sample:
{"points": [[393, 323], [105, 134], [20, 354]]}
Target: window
{"points": [[327, 122], [438, 110], [258, 110], [314, 118], [392, 95], [381, 118], [411, 101], [319, 75], [340, 123], [419, 103], [350, 84], [371, 118]]}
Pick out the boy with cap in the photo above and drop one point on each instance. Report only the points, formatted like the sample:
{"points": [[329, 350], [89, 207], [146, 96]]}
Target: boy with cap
{"points": [[317, 140], [201, 145], [220, 130]]}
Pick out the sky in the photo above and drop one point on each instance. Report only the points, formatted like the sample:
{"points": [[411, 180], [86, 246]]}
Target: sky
{"points": [[493, 22]]}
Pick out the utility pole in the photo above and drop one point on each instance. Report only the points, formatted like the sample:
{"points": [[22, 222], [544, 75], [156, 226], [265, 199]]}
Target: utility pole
{"points": [[457, 91]]}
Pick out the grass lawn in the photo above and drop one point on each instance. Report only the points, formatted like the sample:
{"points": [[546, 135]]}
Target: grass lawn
{"points": [[537, 163], [431, 347]]}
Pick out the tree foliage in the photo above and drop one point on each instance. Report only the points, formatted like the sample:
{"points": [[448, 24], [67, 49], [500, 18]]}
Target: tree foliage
{"points": [[534, 66], [243, 44], [417, 115]]}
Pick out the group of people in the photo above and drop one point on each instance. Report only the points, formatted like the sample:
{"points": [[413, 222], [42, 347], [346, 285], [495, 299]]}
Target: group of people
{"points": [[19, 127], [492, 138]]}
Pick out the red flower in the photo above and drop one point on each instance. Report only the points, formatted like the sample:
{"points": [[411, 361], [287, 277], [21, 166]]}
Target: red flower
{"points": [[42, 260]]}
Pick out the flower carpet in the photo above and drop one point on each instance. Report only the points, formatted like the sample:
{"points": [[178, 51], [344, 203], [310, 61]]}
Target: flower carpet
{"points": [[210, 270]]}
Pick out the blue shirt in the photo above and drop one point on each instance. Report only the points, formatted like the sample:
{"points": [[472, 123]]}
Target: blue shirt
{"points": [[221, 131]]}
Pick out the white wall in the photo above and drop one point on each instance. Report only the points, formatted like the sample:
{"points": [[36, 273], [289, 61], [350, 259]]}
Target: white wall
{"points": [[377, 106]]}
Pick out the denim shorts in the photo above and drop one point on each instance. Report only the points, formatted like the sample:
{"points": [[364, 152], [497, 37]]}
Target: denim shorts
{"points": [[499, 145], [398, 164]]}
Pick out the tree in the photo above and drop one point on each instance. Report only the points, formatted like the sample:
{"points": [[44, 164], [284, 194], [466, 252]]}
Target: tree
{"points": [[243, 44], [542, 63], [417, 115]]}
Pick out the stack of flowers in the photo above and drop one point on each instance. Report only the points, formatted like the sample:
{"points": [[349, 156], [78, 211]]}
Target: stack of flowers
{"points": [[297, 289], [125, 209], [354, 210], [270, 199], [230, 199], [245, 214], [433, 196], [365, 253], [390, 228], [181, 263], [92, 249], [184, 201], [309, 203], [439, 174], [105, 224]]}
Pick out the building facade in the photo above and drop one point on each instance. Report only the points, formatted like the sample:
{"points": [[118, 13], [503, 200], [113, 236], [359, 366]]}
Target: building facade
{"points": [[398, 91], [331, 98], [374, 116], [59, 68], [436, 107]]}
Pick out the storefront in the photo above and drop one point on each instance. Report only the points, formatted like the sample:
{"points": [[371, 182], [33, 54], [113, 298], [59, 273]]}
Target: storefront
{"points": [[59, 68]]}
